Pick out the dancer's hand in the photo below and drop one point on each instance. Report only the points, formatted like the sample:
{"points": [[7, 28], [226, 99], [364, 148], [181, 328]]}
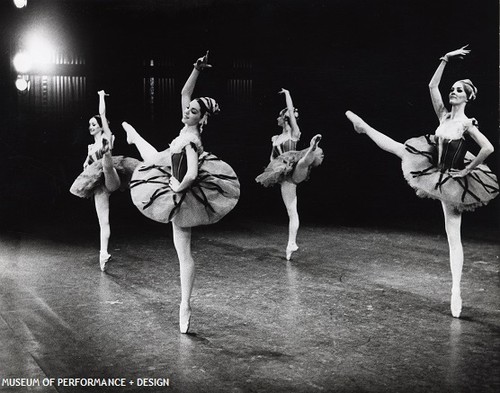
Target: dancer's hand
{"points": [[202, 63], [174, 184], [283, 91], [102, 93], [457, 174], [460, 53]]}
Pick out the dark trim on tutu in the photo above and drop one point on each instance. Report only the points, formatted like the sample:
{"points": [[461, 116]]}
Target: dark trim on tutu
{"points": [[419, 165], [281, 168], [213, 194]]}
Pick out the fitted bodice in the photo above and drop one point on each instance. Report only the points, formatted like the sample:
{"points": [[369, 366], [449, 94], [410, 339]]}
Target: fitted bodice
{"points": [[450, 136], [283, 143], [94, 153], [178, 153], [179, 165], [452, 154]]}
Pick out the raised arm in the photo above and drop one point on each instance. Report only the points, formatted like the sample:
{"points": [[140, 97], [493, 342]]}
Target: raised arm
{"points": [[102, 113], [437, 100], [293, 121], [187, 90]]}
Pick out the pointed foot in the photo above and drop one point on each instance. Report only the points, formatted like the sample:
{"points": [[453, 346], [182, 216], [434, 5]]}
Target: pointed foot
{"points": [[315, 141], [290, 249], [104, 258], [456, 304], [358, 123], [131, 132], [184, 319]]}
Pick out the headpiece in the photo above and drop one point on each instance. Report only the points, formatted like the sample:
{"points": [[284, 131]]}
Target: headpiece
{"points": [[470, 89], [284, 113], [208, 105]]}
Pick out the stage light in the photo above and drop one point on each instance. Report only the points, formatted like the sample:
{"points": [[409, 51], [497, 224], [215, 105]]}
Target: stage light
{"points": [[21, 3], [22, 84], [22, 62], [40, 49], [37, 54]]}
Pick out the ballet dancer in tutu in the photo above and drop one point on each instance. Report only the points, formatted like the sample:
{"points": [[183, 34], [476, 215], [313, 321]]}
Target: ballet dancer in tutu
{"points": [[102, 174], [184, 184], [289, 167], [439, 166]]}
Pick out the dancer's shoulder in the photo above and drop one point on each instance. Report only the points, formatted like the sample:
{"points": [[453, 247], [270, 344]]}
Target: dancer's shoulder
{"points": [[183, 140]]}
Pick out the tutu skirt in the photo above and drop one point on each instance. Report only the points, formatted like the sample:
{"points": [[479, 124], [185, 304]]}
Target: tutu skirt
{"points": [[92, 177], [281, 168], [419, 165], [213, 194]]}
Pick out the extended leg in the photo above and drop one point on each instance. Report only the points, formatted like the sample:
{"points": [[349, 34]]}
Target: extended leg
{"points": [[453, 219], [111, 178], [382, 141], [101, 200], [182, 243], [289, 195], [146, 150], [302, 168]]}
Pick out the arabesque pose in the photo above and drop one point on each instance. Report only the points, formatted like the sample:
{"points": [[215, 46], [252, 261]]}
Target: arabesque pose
{"points": [[439, 166], [184, 184]]}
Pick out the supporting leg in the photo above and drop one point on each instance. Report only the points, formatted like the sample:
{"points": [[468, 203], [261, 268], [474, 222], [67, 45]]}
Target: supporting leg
{"points": [[182, 243], [101, 200], [453, 219], [289, 195]]}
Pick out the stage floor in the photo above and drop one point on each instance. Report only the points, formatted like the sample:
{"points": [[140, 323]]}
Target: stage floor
{"points": [[357, 309]]}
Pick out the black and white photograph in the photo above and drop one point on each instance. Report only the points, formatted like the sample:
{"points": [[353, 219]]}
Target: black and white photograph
{"points": [[249, 196]]}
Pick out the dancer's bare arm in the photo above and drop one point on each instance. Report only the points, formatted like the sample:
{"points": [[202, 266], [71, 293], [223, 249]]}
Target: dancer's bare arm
{"points": [[293, 121], [187, 90], [102, 113], [486, 148], [191, 173], [436, 98]]}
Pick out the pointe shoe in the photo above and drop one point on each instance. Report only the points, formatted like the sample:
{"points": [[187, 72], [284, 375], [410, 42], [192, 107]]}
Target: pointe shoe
{"points": [[358, 123], [184, 320], [456, 304], [315, 141], [131, 132], [104, 258], [290, 249]]}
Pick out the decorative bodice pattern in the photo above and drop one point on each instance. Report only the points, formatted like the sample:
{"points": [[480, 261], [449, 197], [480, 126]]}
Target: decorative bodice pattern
{"points": [[178, 153], [283, 143]]}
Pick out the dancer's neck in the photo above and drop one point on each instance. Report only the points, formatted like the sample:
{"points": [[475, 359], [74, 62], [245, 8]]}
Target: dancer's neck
{"points": [[190, 130], [457, 111]]}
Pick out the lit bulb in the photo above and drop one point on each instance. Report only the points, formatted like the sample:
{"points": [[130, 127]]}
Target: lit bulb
{"points": [[22, 84], [22, 62], [21, 3]]}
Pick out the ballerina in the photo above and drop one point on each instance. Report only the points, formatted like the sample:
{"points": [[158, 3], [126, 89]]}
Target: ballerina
{"points": [[184, 184], [438, 166], [289, 167], [102, 174]]}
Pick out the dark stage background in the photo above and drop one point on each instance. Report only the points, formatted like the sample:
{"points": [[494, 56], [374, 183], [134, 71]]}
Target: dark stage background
{"points": [[374, 57]]}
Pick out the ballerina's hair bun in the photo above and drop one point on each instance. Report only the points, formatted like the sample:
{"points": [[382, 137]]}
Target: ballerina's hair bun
{"points": [[469, 88], [284, 113]]}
